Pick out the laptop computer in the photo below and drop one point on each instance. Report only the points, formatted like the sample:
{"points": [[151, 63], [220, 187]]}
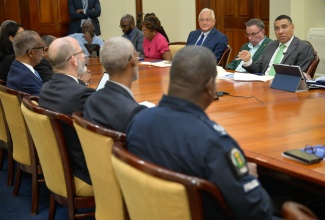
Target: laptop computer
{"points": [[289, 78], [103, 80]]}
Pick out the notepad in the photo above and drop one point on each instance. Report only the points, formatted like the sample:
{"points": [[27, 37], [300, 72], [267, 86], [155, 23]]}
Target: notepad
{"points": [[251, 77]]}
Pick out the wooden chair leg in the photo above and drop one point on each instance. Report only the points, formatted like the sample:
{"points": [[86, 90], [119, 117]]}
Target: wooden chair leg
{"points": [[35, 194], [52, 211], [17, 181], [10, 169], [71, 211]]}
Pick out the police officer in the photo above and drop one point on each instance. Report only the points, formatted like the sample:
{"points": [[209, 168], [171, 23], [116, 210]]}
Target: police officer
{"points": [[179, 135]]}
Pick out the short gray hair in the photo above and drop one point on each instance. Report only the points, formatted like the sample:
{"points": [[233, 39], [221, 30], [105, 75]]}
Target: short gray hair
{"points": [[24, 41], [255, 21], [115, 54], [209, 10]]}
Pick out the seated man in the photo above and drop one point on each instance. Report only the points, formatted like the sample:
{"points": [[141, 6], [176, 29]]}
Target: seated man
{"points": [[28, 47], [88, 36], [256, 45], [114, 106], [66, 94], [132, 33], [287, 49], [208, 35], [179, 135]]}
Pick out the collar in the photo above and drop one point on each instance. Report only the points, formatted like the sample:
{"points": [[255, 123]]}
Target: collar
{"points": [[28, 66], [257, 45], [75, 78], [288, 42], [131, 33], [205, 33], [124, 87]]}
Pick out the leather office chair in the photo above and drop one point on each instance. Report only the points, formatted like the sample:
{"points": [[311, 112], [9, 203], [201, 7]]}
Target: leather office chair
{"points": [[24, 152], [46, 131], [225, 57], [108, 195], [6, 145], [313, 64], [295, 211], [176, 46], [153, 192]]}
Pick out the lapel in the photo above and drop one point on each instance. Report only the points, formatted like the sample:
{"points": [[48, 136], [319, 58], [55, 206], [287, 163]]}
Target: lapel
{"points": [[24, 68], [261, 48], [210, 36], [291, 48]]}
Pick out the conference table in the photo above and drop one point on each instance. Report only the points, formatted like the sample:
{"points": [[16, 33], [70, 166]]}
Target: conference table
{"points": [[264, 121]]}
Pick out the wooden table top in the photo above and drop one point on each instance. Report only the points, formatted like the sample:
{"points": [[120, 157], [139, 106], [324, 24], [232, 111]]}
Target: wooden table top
{"points": [[279, 121]]}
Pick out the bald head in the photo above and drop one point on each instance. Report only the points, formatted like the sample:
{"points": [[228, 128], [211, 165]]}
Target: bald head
{"points": [[60, 50], [128, 18], [115, 54], [192, 68]]}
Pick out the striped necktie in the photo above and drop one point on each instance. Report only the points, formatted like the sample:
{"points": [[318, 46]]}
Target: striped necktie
{"points": [[199, 43]]}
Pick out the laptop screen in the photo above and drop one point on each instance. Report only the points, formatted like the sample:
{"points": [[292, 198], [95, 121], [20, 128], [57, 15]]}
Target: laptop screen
{"points": [[102, 81]]}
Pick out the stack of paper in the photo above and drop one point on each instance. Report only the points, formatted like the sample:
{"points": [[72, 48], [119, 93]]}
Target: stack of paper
{"points": [[251, 77], [163, 63]]}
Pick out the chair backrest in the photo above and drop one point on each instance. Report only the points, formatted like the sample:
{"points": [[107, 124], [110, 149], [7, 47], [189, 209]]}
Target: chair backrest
{"points": [[225, 57], [176, 46], [5, 138], [97, 143], [313, 64], [153, 192], [293, 211], [45, 129], [22, 143]]}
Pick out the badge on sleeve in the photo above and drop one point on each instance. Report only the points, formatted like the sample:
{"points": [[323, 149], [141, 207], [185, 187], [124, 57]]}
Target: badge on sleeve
{"points": [[238, 161]]}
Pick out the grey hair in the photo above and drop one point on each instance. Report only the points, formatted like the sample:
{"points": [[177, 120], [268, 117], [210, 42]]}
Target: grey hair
{"points": [[59, 59], [255, 21], [209, 10], [115, 54], [24, 41], [48, 39]]}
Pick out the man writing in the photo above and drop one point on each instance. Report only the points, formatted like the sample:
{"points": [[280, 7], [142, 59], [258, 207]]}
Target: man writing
{"points": [[255, 33], [180, 136], [287, 49]]}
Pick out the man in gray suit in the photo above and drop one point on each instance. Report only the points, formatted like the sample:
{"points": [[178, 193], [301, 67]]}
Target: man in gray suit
{"points": [[132, 33], [293, 51]]}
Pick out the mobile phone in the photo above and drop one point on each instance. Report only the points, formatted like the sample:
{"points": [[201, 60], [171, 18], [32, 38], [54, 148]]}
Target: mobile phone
{"points": [[303, 156]]}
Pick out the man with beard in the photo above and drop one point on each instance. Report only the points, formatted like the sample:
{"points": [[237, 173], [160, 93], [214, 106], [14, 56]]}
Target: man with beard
{"points": [[117, 105], [132, 33], [66, 94]]}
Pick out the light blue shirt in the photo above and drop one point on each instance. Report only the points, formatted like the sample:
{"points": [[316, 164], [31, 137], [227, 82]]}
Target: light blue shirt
{"points": [[81, 40]]}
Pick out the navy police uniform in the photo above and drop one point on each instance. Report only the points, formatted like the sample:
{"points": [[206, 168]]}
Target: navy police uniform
{"points": [[178, 135]]}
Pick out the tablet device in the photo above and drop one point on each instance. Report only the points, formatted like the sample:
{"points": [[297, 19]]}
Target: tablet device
{"points": [[93, 49], [102, 81], [303, 156]]}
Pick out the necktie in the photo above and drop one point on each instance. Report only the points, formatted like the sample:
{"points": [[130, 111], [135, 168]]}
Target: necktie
{"points": [[38, 76], [200, 40], [277, 59]]}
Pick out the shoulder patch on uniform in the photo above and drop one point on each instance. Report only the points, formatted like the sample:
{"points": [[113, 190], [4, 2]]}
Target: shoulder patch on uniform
{"points": [[220, 129], [238, 161]]}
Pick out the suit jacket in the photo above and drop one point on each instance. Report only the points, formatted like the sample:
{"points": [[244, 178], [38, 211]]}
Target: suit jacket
{"points": [[44, 69], [215, 41], [112, 107], [298, 53], [137, 40], [23, 79], [63, 94], [234, 63], [90, 13]]}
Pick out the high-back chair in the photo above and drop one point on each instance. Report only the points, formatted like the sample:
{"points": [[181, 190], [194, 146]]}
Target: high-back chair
{"points": [[153, 192], [225, 57], [97, 143], [23, 147], [176, 46], [294, 211], [46, 131], [6, 145], [313, 64]]}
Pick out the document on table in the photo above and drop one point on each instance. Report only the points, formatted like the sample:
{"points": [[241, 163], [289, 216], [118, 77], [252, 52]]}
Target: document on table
{"points": [[223, 74], [163, 63], [251, 77], [148, 104]]}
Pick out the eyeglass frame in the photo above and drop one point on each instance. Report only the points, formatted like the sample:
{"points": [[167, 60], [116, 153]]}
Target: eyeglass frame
{"points": [[253, 34], [82, 51], [36, 48], [313, 150], [206, 19], [124, 26]]}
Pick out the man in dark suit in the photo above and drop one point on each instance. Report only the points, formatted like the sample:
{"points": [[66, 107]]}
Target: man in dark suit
{"points": [[255, 33], [28, 47], [66, 94], [208, 35], [132, 33], [80, 11], [287, 49], [114, 106]]}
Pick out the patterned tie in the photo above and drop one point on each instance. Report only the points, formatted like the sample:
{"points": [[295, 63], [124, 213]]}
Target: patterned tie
{"points": [[277, 59], [200, 40]]}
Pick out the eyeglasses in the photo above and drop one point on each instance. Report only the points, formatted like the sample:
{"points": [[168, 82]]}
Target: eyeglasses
{"points": [[36, 48], [318, 150], [124, 26], [82, 51], [253, 34], [205, 19]]}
